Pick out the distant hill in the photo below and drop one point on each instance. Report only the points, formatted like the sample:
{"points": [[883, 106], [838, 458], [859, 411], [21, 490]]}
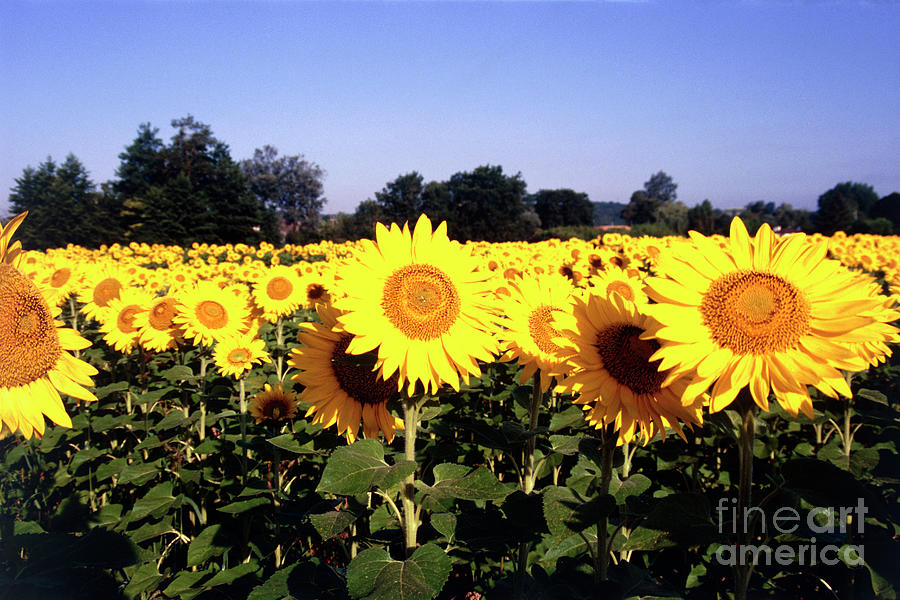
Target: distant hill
{"points": [[608, 213]]}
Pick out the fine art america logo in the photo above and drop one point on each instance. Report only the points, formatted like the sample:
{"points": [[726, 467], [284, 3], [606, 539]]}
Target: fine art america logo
{"points": [[831, 523]]}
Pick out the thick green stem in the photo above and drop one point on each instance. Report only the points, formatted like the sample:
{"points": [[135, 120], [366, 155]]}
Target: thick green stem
{"points": [[747, 409], [529, 477], [279, 348], [243, 400], [608, 448], [410, 520]]}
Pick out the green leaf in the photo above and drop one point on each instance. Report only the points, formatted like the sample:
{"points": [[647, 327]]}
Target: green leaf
{"points": [[244, 505], [83, 456], [373, 575], [566, 514], [110, 468], [178, 373], [137, 473], [275, 587], [445, 523], [153, 396], [634, 485], [156, 499], [564, 444], [874, 396], [567, 418], [331, 523], [571, 546], [229, 575], [144, 579], [184, 582], [149, 531], [299, 443], [211, 542], [356, 469], [675, 520], [106, 390], [477, 484]]}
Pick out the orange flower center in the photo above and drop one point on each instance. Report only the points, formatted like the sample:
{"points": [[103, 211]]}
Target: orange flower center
{"points": [[29, 344], [106, 290], [754, 312], [421, 301], [211, 314], [279, 288]]}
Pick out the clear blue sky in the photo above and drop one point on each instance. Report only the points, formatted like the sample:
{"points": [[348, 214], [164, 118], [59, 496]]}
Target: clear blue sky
{"points": [[743, 101]]}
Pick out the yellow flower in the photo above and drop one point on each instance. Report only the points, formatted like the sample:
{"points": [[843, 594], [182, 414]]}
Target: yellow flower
{"points": [[421, 300], [273, 404], [617, 281], [208, 313], [156, 328], [278, 291], [767, 313], [529, 334], [342, 390], [613, 372], [236, 355], [118, 323], [34, 363], [102, 283]]}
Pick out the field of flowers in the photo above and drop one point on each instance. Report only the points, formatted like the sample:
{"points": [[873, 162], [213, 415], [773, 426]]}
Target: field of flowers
{"points": [[410, 417]]}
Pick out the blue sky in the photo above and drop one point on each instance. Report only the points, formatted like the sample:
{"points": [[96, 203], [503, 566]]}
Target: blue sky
{"points": [[738, 102]]}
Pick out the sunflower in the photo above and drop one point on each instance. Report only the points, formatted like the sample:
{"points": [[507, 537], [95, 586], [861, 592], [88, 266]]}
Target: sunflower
{"points": [[342, 390], [34, 363], [209, 313], [767, 313], [529, 335], [317, 288], [613, 373], [59, 281], [118, 323], [623, 283], [102, 283], [238, 354], [273, 404], [156, 328], [277, 291], [420, 299]]}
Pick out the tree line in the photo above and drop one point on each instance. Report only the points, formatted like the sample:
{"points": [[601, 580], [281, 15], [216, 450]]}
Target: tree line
{"points": [[191, 190]]}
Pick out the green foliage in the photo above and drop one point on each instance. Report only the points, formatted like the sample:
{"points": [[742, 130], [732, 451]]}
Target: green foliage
{"points": [[843, 205], [289, 186], [564, 207], [63, 206]]}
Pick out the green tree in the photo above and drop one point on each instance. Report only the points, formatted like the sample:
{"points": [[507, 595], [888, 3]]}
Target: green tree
{"points": [[289, 185], [557, 208], [401, 201], [641, 208], [608, 213], [190, 190], [888, 208], [673, 215], [843, 205], [702, 218], [63, 206], [661, 186], [485, 204]]}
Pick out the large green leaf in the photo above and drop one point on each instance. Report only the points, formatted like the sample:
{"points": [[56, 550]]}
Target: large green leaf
{"points": [[458, 481], [358, 468], [566, 513], [211, 542], [374, 575], [331, 523]]}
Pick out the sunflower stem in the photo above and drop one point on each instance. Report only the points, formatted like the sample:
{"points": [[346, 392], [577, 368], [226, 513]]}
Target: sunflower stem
{"points": [[747, 409], [279, 347], [608, 437], [243, 403], [410, 521], [529, 477]]}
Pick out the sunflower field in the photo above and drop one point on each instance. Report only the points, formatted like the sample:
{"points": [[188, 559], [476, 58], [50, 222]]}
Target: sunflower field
{"points": [[413, 418]]}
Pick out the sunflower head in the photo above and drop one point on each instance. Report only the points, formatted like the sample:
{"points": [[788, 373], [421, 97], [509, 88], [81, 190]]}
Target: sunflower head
{"points": [[770, 314], [273, 404], [610, 349]]}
